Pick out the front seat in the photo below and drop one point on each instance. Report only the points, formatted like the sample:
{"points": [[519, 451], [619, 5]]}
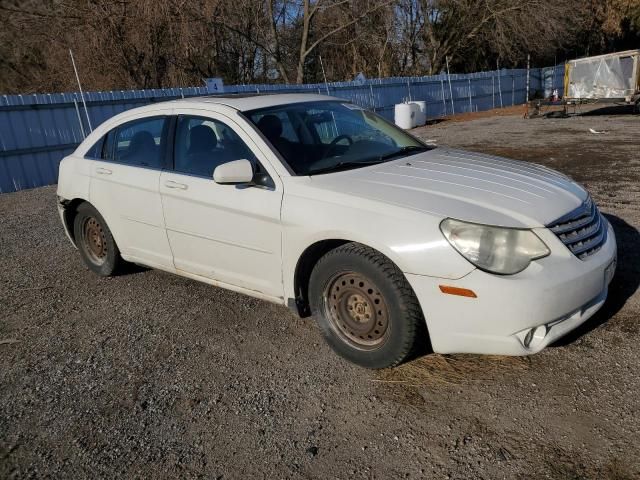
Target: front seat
{"points": [[201, 157], [271, 127], [201, 139]]}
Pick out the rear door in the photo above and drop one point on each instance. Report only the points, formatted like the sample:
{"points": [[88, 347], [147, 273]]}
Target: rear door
{"points": [[125, 188], [229, 233]]}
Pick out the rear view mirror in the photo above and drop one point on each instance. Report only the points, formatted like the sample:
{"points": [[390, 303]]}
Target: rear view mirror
{"points": [[238, 171]]}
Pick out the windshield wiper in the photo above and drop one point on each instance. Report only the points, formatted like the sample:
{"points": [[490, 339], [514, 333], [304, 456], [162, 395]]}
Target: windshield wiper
{"points": [[345, 166], [403, 151]]}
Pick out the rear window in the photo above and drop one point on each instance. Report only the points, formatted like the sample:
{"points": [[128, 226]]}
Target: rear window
{"points": [[95, 152], [140, 142]]}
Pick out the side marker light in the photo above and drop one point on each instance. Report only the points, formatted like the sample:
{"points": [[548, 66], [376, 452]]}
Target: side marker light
{"points": [[462, 292]]}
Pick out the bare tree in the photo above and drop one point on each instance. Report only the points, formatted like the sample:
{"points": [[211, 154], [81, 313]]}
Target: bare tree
{"points": [[295, 33], [161, 43], [461, 29]]}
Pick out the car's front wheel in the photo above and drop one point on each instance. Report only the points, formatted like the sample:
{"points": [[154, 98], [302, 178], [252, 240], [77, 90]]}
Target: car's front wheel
{"points": [[95, 242], [365, 307]]}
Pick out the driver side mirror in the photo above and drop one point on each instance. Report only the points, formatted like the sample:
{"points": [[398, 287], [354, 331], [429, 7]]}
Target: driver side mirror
{"points": [[233, 173]]}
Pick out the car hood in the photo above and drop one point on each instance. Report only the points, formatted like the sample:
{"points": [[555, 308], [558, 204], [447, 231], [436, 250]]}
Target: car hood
{"points": [[464, 185]]}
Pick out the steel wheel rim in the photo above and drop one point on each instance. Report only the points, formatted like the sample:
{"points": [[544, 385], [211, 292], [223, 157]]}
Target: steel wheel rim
{"points": [[357, 310], [94, 241]]}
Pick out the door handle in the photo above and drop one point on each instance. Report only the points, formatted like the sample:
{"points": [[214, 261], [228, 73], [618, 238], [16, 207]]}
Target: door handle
{"points": [[103, 171], [172, 184]]}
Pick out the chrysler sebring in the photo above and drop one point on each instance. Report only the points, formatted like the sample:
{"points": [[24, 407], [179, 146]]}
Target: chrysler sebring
{"points": [[318, 204]]}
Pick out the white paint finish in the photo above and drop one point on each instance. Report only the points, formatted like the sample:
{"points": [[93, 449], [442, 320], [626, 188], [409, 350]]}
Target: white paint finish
{"points": [[410, 238], [238, 171], [74, 177], [225, 232], [463, 185], [228, 233], [253, 102], [250, 239], [551, 288], [129, 200], [74, 181]]}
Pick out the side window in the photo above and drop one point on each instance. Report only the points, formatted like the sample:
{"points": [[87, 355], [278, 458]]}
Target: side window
{"points": [[136, 143], [203, 143]]}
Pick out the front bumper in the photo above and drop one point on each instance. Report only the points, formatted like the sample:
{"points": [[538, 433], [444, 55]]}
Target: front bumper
{"points": [[556, 293]]}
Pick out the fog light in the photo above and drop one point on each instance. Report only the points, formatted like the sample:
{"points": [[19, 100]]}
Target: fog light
{"points": [[535, 336]]}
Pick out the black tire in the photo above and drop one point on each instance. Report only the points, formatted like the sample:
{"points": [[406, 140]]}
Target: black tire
{"points": [[95, 242], [375, 321]]}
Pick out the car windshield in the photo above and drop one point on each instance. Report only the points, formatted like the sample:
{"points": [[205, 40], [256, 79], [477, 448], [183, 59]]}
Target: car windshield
{"points": [[329, 136]]}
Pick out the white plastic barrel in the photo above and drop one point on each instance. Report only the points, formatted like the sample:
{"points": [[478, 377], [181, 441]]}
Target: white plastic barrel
{"points": [[415, 111], [403, 115], [420, 117]]}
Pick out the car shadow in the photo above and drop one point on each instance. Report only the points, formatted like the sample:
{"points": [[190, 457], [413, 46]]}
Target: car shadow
{"points": [[624, 284], [131, 269], [608, 110], [586, 111]]}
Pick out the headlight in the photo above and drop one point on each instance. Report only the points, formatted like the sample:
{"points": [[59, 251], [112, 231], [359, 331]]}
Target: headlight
{"points": [[495, 249]]}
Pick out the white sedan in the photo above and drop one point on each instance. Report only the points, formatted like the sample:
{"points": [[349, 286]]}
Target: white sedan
{"points": [[318, 204]]}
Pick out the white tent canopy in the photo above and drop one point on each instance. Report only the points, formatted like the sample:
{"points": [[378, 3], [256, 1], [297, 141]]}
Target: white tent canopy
{"points": [[615, 75]]}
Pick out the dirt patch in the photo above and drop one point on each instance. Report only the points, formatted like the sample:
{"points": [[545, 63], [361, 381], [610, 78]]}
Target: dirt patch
{"points": [[516, 110], [434, 370]]}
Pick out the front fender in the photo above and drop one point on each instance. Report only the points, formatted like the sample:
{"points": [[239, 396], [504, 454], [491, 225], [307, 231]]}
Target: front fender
{"points": [[412, 240]]}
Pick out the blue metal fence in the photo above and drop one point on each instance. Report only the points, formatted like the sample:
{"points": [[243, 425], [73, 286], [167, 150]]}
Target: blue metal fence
{"points": [[37, 131]]}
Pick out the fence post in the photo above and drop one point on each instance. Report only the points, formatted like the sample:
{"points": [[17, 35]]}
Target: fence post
{"points": [[444, 99], [513, 90], [75, 104], [470, 103], [493, 90], [499, 83], [553, 76], [373, 98], [528, 72], [453, 108]]}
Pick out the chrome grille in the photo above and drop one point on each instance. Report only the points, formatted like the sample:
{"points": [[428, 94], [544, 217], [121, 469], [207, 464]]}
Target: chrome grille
{"points": [[582, 230]]}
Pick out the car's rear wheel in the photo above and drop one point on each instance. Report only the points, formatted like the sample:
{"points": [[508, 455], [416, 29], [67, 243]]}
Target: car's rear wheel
{"points": [[95, 242], [365, 307]]}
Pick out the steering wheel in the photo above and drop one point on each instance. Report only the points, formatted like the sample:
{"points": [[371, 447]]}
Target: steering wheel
{"points": [[334, 143]]}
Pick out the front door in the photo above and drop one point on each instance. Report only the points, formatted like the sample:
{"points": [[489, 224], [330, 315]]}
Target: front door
{"points": [[229, 233]]}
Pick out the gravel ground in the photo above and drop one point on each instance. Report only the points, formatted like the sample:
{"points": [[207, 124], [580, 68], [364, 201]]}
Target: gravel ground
{"points": [[150, 375]]}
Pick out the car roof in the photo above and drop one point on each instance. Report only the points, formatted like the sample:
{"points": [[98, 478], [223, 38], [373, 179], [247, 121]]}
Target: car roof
{"points": [[242, 102], [245, 102]]}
